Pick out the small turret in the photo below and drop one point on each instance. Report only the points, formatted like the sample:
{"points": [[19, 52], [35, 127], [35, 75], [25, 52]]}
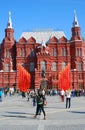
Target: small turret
{"points": [[9, 31], [75, 29]]}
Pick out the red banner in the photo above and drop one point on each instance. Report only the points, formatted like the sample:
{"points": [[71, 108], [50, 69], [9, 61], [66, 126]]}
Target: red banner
{"points": [[24, 79], [65, 78]]}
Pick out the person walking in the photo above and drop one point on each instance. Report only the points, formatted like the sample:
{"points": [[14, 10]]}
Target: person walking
{"points": [[40, 98], [1, 94], [23, 94], [68, 98], [62, 95]]}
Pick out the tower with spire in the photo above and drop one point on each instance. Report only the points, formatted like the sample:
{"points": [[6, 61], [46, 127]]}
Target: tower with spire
{"points": [[76, 46], [8, 46], [9, 31], [75, 29]]}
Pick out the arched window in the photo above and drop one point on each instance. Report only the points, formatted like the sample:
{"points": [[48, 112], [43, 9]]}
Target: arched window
{"points": [[7, 67], [7, 53], [63, 51], [32, 66], [76, 33], [32, 53], [80, 52], [24, 53], [63, 65], [77, 52], [80, 67], [56, 52], [54, 66], [43, 65], [21, 53], [53, 53]]}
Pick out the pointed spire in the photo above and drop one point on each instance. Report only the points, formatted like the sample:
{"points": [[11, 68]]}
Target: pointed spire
{"points": [[9, 25], [43, 44], [75, 22]]}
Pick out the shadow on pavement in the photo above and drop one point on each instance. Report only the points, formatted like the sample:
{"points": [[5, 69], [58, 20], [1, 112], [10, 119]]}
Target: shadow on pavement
{"points": [[78, 112], [17, 114]]}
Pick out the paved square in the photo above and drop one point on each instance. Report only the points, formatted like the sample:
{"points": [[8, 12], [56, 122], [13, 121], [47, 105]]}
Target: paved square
{"points": [[17, 114]]}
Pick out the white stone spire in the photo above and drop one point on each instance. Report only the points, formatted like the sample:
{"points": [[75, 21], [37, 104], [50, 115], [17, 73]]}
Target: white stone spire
{"points": [[9, 25], [43, 44], [75, 22]]}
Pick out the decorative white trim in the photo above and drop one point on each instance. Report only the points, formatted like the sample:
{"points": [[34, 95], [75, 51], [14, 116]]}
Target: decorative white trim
{"points": [[43, 36]]}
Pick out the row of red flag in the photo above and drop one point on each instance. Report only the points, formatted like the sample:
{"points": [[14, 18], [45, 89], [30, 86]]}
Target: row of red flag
{"points": [[65, 79], [24, 79]]}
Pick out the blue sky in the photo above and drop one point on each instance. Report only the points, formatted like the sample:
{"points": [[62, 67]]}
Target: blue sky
{"points": [[31, 14]]}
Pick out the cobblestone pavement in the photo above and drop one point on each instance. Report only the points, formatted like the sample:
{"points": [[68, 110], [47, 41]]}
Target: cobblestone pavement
{"points": [[17, 114]]}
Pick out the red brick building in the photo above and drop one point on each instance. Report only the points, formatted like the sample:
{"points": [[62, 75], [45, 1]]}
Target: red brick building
{"points": [[43, 54]]}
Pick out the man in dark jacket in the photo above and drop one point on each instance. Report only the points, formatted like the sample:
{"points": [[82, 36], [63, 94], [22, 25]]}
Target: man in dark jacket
{"points": [[40, 103]]}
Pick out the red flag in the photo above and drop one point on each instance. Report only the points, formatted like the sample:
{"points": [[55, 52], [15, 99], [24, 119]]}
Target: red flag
{"points": [[24, 79], [65, 78]]}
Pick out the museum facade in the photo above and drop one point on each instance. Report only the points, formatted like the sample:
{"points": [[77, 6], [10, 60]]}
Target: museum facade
{"points": [[44, 54]]}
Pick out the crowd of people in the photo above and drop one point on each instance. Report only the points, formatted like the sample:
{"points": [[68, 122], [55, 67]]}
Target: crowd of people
{"points": [[39, 97], [5, 91]]}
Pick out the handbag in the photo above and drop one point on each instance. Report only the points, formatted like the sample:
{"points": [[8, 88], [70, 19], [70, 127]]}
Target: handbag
{"points": [[45, 102]]}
